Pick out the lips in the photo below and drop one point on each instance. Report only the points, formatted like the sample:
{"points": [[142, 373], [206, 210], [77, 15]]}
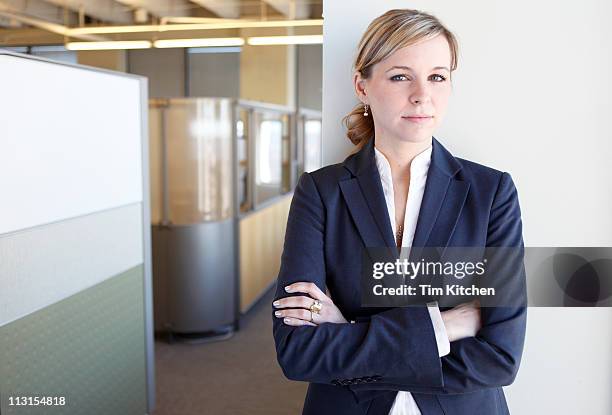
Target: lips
{"points": [[419, 119]]}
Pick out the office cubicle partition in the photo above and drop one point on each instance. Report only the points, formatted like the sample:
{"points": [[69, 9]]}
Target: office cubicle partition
{"points": [[222, 172], [75, 263], [192, 220]]}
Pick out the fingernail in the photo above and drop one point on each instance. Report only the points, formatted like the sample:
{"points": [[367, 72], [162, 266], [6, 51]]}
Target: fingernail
{"points": [[277, 313], [287, 320], [288, 288], [276, 303]]}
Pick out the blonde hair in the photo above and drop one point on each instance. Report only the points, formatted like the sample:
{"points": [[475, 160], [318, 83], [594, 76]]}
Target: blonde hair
{"points": [[386, 34]]}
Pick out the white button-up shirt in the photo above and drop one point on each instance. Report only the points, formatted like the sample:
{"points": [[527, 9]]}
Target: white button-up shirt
{"points": [[404, 403]]}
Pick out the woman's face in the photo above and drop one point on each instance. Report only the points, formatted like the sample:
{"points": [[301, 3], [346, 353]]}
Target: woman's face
{"points": [[408, 92]]}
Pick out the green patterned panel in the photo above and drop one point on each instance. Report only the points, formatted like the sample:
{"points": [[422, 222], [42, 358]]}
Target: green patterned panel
{"points": [[88, 348]]}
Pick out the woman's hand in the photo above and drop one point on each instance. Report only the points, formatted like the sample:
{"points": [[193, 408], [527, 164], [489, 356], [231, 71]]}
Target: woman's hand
{"points": [[462, 321], [295, 311]]}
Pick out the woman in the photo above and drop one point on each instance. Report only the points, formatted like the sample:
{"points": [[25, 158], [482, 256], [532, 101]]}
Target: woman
{"points": [[401, 188]]}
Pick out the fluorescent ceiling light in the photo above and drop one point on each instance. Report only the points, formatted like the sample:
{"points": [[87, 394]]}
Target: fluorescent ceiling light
{"points": [[194, 43], [193, 26], [286, 40], [182, 19], [124, 44]]}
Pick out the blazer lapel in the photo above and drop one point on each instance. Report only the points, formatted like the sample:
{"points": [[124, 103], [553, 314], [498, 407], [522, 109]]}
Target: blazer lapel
{"points": [[443, 199], [442, 202], [364, 216], [365, 198], [371, 186]]}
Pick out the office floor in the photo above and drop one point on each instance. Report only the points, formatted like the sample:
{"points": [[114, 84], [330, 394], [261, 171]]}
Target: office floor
{"points": [[239, 376]]}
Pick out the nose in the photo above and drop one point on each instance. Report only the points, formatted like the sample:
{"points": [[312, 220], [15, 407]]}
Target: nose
{"points": [[420, 94]]}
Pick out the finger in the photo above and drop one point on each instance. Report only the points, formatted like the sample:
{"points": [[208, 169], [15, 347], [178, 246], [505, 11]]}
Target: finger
{"points": [[308, 288], [294, 313], [297, 322], [316, 318], [469, 304], [294, 302]]}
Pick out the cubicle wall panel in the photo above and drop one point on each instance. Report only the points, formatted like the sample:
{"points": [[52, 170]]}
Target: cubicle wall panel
{"points": [[65, 162], [43, 265], [75, 311], [87, 348]]}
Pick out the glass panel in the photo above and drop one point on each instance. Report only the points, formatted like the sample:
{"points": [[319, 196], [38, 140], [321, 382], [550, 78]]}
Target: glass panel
{"points": [[198, 138], [242, 136], [312, 145], [299, 151], [286, 161], [19, 49], [269, 153], [55, 52]]}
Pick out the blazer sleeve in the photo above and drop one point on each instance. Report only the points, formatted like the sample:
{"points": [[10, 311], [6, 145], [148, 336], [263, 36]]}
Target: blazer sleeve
{"points": [[492, 357], [395, 344]]}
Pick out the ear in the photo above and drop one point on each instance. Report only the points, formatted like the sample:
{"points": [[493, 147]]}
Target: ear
{"points": [[360, 87]]}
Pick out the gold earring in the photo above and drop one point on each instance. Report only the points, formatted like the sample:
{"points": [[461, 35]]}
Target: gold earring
{"points": [[365, 110]]}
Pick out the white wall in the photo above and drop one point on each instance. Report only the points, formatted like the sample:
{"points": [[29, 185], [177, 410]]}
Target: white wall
{"points": [[532, 96]]}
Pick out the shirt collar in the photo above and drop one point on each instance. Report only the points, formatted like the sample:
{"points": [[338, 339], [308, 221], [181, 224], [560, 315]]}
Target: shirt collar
{"points": [[418, 167]]}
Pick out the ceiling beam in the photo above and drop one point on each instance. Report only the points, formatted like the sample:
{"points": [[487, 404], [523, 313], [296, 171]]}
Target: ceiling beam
{"points": [[106, 10], [162, 8], [240, 24], [28, 35], [222, 8], [293, 9], [49, 26], [7, 23], [37, 9]]}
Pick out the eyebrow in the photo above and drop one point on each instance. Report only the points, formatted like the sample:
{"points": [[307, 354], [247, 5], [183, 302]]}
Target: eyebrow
{"points": [[410, 69]]}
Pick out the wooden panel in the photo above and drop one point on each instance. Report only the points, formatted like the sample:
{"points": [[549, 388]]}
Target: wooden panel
{"points": [[262, 235]]}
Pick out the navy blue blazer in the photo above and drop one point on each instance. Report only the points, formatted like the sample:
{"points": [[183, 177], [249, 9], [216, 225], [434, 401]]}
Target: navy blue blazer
{"points": [[358, 368]]}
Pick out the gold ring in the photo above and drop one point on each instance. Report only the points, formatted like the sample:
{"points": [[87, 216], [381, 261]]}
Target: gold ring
{"points": [[316, 307], [311, 319]]}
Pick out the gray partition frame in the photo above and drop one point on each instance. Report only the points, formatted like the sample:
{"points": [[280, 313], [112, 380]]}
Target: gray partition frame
{"points": [[146, 213], [301, 116]]}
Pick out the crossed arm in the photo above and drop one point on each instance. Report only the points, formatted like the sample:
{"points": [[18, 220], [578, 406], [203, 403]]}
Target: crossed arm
{"points": [[396, 346]]}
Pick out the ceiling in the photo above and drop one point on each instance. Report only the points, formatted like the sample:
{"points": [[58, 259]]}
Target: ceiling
{"points": [[30, 21]]}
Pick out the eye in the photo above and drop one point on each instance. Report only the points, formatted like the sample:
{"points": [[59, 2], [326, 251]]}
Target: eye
{"points": [[439, 77], [399, 78]]}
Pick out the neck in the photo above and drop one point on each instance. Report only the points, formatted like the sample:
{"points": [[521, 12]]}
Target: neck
{"points": [[400, 153]]}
